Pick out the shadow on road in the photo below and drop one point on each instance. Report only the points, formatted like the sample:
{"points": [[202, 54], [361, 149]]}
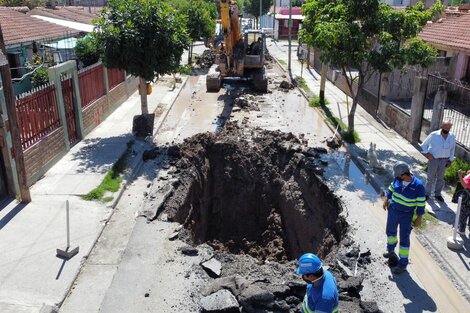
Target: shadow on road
{"points": [[420, 301], [99, 154], [13, 212]]}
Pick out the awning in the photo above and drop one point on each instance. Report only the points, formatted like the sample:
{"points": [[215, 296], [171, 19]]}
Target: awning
{"points": [[75, 25], [67, 43], [278, 16]]}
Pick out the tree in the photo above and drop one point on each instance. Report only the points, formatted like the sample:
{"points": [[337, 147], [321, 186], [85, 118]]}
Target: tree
{"points": [[363, 36], [252, 7], [200, 19], [87, 50], [20, 3], [146, 38]]}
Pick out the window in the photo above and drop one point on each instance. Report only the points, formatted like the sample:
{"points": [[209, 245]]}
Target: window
{"points": [[14, 61]]}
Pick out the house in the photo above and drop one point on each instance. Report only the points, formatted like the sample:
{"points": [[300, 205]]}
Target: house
{"points": [[84, 15], [450, 36], [279, 21], [25, 36]]}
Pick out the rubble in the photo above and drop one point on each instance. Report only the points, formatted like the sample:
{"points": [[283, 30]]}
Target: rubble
{"points": [[246, 103], [252, 196], [223, 301], [286, 86], [212, 267], [206, 59]]}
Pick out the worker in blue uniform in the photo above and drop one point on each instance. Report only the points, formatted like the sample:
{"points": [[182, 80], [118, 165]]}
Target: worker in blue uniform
{"points": [[405, 202], [322, 292]]}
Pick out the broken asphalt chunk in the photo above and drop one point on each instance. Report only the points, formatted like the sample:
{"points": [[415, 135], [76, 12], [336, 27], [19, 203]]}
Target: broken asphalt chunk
{"points": [[189, 251], [221, 301], [212, 267]]}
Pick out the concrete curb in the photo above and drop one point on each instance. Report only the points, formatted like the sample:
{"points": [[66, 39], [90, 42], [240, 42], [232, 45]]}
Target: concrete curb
{"points": [[183, 84], [134, 169]]}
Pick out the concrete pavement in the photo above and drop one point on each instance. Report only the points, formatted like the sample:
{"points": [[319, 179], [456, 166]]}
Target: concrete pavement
{"points": [[31, 276]]}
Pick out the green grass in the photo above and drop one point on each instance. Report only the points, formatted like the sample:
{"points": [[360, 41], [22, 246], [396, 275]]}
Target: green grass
{"points": [[282, 62], [302, 84], [349, 137], [112, 180], [107, 199]]}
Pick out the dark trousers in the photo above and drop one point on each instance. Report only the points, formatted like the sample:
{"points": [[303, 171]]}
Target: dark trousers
{"points": [[403, 220], [464, 217]]}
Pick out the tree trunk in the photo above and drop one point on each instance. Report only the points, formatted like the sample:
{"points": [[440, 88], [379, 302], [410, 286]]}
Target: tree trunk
{"points": [[355, 97], [143, 95], [190, 52], [324, 70]]}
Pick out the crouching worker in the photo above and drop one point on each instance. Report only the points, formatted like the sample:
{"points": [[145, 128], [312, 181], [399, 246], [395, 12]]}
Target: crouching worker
{"points": [[322, 293]]}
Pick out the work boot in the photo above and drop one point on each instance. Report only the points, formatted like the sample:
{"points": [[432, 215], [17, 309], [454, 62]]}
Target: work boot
{"points": [[398, 269], [439, 198], [392, 258], [389, 254]]}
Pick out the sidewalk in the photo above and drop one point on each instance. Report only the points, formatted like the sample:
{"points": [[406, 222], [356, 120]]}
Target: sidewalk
{"points": [[31, 276], [391, 148]]}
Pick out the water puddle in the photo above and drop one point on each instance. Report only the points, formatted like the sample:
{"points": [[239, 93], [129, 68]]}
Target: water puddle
{"points": [[351, 171]]}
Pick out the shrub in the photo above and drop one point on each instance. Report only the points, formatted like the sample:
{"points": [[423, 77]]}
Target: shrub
{"points": [[450, 175], [87, 50]]}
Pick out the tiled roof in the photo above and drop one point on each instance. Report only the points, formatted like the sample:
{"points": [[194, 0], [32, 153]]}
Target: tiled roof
{"points": [[452, 32], [74, 14], [18, 27]]}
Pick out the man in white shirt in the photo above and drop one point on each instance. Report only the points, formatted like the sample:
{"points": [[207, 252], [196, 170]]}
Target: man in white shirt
{"points": [[439, 149]]}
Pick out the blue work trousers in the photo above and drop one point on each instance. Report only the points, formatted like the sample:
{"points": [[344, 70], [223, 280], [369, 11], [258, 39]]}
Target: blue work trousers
{"points": [[397, 218]]}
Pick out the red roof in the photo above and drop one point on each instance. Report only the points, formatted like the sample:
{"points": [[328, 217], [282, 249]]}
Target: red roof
{"points": [[74, 14], [18, 27], [452, 32]]}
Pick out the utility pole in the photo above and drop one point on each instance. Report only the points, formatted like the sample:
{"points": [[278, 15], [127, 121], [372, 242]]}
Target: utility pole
{"points": [[274, 19], [13, 123], [290, 37], [260, 10]]}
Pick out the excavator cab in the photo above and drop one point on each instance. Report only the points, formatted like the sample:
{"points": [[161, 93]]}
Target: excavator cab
{"points": [[240, 54]]}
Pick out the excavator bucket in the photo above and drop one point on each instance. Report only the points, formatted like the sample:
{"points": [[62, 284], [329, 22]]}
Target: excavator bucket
{"points": [[213, 82], [260, 81]]}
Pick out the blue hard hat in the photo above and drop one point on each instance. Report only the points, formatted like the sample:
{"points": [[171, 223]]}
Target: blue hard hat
{"points": [[309, 263]]}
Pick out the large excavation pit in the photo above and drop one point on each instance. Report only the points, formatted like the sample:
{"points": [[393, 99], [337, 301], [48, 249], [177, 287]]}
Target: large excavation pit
{"points": [[256, 192]]}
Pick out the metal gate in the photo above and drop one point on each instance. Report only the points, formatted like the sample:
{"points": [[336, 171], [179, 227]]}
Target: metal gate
{"points": [[67, 92], [456, 108]]}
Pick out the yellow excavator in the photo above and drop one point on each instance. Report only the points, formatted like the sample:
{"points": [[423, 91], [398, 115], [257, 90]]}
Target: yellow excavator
{"points": [[240, 54]]}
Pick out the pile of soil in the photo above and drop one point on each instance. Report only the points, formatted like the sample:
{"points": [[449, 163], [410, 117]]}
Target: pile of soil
{"points": [[257, 199], [256, 192], [246, 103], [206, 59]]}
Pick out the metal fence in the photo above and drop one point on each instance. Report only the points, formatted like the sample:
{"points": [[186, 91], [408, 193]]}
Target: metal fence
{"points": [[91, 82], [456, 108], [38, 114]]}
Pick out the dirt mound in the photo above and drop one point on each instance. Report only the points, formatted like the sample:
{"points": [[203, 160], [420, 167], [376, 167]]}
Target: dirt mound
{"points": [[206, 59], [256, 192], [246, 103]]}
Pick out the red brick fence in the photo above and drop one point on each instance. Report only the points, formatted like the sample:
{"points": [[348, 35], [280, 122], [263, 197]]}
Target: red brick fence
{"points": [[42, 131]]}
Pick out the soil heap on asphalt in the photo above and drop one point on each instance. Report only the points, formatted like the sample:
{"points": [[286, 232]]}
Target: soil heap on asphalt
{"points": [[255, 193], [257, 199]]}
